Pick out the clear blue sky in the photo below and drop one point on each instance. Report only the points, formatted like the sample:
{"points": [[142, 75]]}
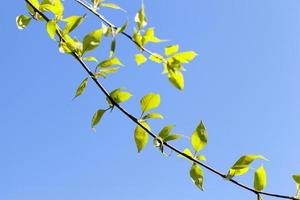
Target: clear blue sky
{"points": [[244, 84]]}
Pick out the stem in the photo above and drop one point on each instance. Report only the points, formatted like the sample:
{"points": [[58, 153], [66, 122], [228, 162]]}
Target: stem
{"points": [[135, 120]]}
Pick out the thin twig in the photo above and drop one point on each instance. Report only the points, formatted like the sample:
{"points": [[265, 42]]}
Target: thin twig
{"points": [[136, 121]]}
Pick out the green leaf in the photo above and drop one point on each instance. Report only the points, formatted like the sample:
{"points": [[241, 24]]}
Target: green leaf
{"points": [[22, 21], [111, 5], [137, 38], [110, 62], [51, 29], [140, 18], [172, 137], [169, 50], [188, 152], [119, 96], [90, 58], [112, 47], [149, 101], [153, 116], [140, 59], [121, 29], [141, 136], [185, 57], [81, 87], [201, 157], [260, 179], [54, 6], [165, 131], [176, 78], [150, 37], [241, 166], [31, 10], [296, 178], [72, 23], [199, 137], [92, 40], [155, 57], [97, 117], [196, 174]]}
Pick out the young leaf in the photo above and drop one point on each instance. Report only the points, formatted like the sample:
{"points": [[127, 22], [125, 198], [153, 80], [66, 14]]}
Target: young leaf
{"points": [[172, 137], [185, 57], [169, 50], [92, 40], [140, 18], [109, 62], [197, 176], [296, 178], [241, 166], [81, 87], [149, 101], [112, 47], [153, 116], [201, 157], [188, 152], [32, 11], [51, 29], [111, 5], [22, 21], [260, 179], [149, 36], [72, 23], [141, 136], [119, 96], [97, 117], [199, 137], [165, 131], [121, 29], [90, 58], [176, 78], [140, 59]]}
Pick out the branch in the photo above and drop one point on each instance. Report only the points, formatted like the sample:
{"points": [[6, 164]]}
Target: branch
{"points": [[134, 119]]}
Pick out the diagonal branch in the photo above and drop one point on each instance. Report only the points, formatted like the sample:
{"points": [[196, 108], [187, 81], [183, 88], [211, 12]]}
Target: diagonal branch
{"points": [[136, 121]]}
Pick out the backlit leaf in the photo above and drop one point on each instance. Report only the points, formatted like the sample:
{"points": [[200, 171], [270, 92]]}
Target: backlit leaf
{"points": [[169, 50], [165, 131], [51, 29], [172, 137], [22, 21], [176, 78], [90, 58], [72, 23], [119, 96], [185, 57], [141, 136], [140, 18], [92, 40], [121, 29], [260, 179], [97, 117], [196, 174], [81, 87], [149, 101], [140, 59], [110, 62], [199, 137], [153, 116], [111, 5]]}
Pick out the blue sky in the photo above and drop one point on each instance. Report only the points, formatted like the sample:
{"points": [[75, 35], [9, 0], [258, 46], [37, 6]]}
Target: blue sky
{"points": [[244, 85]]}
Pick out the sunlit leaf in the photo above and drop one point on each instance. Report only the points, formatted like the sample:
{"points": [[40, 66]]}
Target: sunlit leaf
{"points": [[97, 117], [149, 36], [241, 166], [156, 58], [111, 5], [90, 58], [119, 96], [149, 101], [51, 29], [172, 137], [121, 29], [140, 18], [141, 136], [185, 57], [112, 47], [201, 157], [260, 179], [165, 131], [199, 137], [153, 116], [196, 174], [169, 50], [81, 87], [296, 178], [140, 59], [110, 62], [72, 23], [92, 40], [176, 78], [22, 21]]}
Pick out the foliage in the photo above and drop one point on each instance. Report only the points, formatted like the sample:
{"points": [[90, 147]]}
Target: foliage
{"points": [[172, 62]]}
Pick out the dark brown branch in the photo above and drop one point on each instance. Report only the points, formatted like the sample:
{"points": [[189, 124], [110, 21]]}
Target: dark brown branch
{"points": [[135, 120]]}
